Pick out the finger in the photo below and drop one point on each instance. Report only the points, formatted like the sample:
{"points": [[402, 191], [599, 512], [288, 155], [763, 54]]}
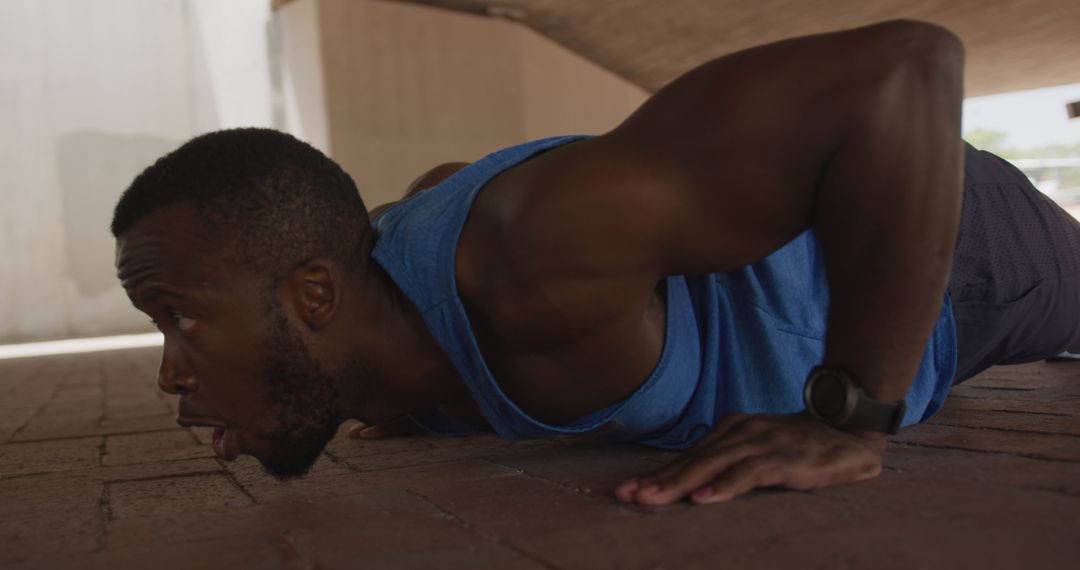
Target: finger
{"points": [[372, 432], [694, 474], [721, 428], [354, 431], [742, 431], [377, 431], [746, 429], [746, 475], [400, 426], [791, 471], [625, 490]]}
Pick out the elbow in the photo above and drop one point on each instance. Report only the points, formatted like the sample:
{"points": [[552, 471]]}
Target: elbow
{"points": [[913, 75], [935, 51], [914, 61], [920, 35]]}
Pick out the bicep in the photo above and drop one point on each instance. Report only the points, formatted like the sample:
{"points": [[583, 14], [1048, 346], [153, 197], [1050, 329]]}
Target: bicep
{"points": [[738, 147], [718, 169]]}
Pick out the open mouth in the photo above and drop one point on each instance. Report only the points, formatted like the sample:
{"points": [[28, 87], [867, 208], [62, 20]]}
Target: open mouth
{"points": [[225, 444], [224, 440], [194, 421]]}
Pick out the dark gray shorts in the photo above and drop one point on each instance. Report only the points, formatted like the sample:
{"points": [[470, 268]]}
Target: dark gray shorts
{"points": [[1015, 282]]}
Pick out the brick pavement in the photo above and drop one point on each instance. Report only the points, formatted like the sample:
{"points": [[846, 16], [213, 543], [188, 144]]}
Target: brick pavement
{"points": [[94, 473]]}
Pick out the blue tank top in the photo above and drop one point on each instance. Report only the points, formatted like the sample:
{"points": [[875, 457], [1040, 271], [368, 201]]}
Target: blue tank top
{"points": [[737, 341]]}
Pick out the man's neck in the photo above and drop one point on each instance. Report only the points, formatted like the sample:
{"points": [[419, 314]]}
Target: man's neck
{"points": [[401, 368]]}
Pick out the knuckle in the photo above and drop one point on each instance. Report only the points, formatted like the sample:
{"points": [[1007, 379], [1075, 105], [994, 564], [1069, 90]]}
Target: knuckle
{"points": [[749, 467]]}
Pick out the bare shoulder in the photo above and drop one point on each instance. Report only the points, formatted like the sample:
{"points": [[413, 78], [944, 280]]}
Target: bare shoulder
{"points": [[434, 176], [428, 179], [545, 238], [563, 325]]}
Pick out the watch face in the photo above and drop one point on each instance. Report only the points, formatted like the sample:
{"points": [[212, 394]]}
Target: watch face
{"points": [[829, 396]]}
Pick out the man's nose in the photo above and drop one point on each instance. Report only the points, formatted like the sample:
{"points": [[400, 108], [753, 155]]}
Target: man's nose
{"points": [[174, 377]]}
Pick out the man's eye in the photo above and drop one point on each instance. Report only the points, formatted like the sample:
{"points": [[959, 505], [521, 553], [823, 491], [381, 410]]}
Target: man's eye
{"points": [[183, 322]]}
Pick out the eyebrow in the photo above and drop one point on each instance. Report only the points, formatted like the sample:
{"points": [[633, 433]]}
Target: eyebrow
{"points": [[156, 291]]}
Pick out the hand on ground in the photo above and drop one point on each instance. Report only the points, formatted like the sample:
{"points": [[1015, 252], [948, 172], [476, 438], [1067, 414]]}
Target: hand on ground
{"points": [[743, 452], [394, 428]]}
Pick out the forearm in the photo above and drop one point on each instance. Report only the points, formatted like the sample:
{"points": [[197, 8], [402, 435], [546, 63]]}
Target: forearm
{"points": [[866, 151], [887, 214]]}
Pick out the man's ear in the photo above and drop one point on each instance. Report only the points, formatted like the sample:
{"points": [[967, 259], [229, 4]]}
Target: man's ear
{"points": [[315, 291]]}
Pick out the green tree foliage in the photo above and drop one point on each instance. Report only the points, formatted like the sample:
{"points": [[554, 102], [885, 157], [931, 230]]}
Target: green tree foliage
{"points": [[988, 140], [997, 143]]}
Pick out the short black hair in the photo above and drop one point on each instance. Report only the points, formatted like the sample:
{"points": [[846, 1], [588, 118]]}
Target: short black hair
{"points": [[271, 200]]}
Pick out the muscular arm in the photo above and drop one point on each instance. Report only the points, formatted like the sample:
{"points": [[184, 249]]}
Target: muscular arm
{"points": [[855, 133]]}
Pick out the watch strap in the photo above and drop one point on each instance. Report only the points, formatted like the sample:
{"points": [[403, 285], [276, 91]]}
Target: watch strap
{"points": [[875, 415], [865, 412]]}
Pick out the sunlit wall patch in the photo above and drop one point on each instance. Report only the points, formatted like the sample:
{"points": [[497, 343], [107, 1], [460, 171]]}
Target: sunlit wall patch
{"points": [[77, 345]]}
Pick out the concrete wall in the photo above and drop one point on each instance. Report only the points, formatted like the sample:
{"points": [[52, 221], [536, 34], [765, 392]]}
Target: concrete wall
{"points": [[407, 87], [91, 93]]}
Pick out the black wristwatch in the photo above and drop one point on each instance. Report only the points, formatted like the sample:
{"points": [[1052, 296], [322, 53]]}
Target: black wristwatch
{"points": [[833, 396]]}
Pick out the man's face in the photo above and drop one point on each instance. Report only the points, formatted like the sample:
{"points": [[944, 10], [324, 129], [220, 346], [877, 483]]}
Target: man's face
{"points": [[230, 351]]}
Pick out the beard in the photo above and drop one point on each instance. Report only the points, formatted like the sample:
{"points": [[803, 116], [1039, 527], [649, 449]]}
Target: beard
{"points": [[301, 396]]}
